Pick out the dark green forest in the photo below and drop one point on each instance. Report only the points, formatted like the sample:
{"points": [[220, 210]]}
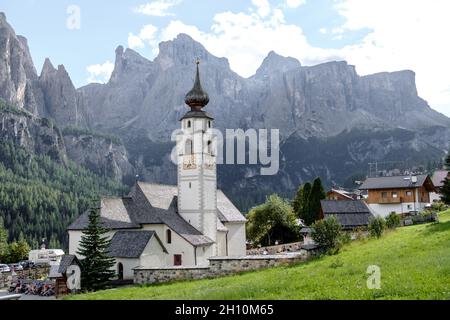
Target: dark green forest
{"points": [[39, 198]]}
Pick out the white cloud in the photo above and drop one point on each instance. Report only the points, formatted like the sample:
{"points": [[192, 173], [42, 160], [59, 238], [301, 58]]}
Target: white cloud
{"points": [[262, 7], [157, 8], [146, 35], [245, 38], [100, 73], [403, 34], [295, 3], [135, 42]]}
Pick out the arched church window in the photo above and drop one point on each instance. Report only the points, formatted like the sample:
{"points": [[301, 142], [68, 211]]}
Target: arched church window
{"points": [[189, 146], [169, 236], [209, 124], [189, 123], [210, 147]]}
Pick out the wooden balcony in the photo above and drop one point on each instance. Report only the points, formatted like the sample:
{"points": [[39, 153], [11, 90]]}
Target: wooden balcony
{"points": [[390, 200]]}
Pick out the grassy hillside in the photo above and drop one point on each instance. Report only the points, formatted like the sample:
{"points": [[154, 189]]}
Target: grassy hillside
{"points": [[414, 262]]}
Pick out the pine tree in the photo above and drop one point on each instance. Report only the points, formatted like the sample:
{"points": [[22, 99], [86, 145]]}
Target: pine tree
{"points": [[317, 194], [3, 240], [96, 264], [446, 187], [300, 204]]}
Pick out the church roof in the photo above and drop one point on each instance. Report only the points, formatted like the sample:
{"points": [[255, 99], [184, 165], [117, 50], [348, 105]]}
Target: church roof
{"points": [[227, 211], [131, 244], [157, 204]]}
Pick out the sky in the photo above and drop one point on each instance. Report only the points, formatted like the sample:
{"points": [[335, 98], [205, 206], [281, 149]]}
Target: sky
{"points": [[373, 35]]}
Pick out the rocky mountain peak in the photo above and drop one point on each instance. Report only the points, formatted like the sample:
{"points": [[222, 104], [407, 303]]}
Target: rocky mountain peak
{"points": [[47, 68], [184, 50], [128, 63], [275, 63], [2, 19]]}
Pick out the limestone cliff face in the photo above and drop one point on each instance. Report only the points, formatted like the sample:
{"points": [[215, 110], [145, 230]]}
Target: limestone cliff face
{"points": [[100, 155], [60, 96], [143, 101], [17, 73], [318, 101], [34, 134]]}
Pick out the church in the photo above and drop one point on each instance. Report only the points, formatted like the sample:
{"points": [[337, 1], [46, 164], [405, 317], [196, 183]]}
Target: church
{"points": [[159, 225]]}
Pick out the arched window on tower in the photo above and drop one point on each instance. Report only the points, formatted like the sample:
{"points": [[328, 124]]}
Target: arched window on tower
{"points": [[188, 147], [210, 149], [189, 123], [209, 124]]}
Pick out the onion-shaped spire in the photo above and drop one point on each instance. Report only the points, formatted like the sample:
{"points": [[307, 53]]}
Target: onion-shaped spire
{"points": [[197, 98]]}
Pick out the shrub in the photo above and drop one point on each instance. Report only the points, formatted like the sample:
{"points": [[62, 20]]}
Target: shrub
{"points": [[327, 234], [439, 206], [345, 237], [426, 214], [360, 233], [392, 221], [377, 226]]}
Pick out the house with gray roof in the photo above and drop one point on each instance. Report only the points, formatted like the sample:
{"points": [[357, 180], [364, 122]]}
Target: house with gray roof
{"points": [[159, 225], [438, 181], [399, 194], [350, 214]]}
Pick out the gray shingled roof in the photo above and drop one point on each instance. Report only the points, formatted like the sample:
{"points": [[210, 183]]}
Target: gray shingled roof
{"points": [[156, 204], [392, 182], [131, 244], [227, 211], [113, 215], [349, 213], [439, 177]]}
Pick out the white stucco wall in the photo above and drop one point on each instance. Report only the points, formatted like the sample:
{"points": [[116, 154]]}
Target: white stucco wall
{"points": [[221, 243], [128, 265], [75, 238], [384, 210], [435, 197], [236, 238], [178, 246], [153, 254]]}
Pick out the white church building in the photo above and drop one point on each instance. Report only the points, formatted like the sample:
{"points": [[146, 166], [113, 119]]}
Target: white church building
{"points": [[182, 225]]}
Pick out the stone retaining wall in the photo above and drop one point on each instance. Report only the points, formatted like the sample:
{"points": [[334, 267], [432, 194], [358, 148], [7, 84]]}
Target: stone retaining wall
{"points": [[219, 266], [158, 275], [31, 274], [288, 247]]}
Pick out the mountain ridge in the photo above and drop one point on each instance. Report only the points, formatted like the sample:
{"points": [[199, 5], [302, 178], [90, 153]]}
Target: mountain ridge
{"points": [[143, 101]]}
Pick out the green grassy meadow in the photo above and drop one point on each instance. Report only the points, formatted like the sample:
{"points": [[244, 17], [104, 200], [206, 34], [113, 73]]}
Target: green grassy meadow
{"points": [[414, 262]]}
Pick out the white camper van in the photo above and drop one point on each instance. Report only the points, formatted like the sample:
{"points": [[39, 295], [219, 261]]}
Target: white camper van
{"points": [[46, 256]]}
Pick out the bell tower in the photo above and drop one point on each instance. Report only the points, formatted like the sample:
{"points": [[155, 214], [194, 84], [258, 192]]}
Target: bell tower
{"points": [[197, 180]]}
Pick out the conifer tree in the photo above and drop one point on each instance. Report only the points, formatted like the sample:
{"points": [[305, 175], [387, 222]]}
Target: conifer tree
{"points": [[96, 265], [300, 204], [317, 194], [3, 240], [446, 187]]}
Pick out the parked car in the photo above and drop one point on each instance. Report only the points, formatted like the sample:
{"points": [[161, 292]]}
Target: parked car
{"points": [[42, 264], [4, 268], [27, 264], [16, 267]]}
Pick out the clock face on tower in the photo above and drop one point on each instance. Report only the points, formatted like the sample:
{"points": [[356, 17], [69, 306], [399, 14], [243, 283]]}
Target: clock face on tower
{"points": [[189, 162]]}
